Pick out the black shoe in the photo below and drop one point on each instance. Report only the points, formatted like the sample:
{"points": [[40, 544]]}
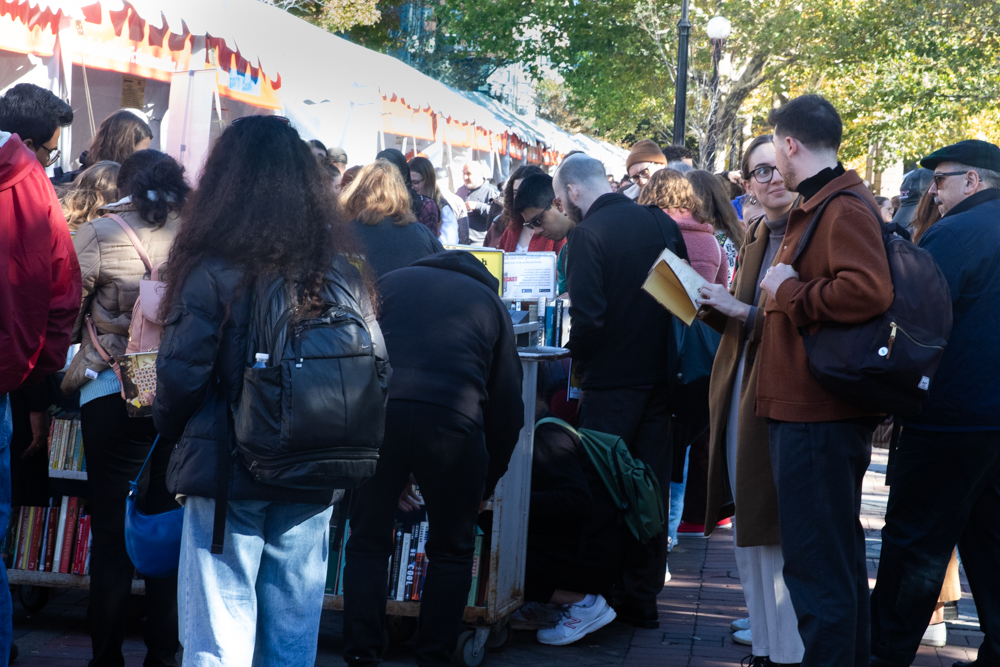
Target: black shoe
{"points": [[641, 615], [756, 661]]}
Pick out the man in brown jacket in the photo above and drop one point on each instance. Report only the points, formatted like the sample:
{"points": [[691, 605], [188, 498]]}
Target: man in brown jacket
{"points": [[820, 445]]}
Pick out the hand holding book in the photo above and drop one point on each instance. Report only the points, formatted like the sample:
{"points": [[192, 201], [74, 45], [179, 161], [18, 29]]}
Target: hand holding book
{"points": [[675, 285], [719, 298]]}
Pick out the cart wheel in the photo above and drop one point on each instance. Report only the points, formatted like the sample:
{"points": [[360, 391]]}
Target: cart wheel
{"points": [[400, 628], [33, 598], [500, 639], [465, 653]]}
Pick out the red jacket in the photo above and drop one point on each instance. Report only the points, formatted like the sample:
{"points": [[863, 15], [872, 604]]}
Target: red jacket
{"points": [[39, 273]]}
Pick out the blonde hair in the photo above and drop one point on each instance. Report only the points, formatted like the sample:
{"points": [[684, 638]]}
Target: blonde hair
{"points": [[667, 188], [94, 188], [376, 193]]}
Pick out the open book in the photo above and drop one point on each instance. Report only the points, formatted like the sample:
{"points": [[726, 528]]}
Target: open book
{"points": [[675, 284]]}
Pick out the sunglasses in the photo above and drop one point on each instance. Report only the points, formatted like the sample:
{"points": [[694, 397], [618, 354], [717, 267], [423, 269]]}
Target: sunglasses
{"points": [[281, 118], [939, 177], [536, 222]]}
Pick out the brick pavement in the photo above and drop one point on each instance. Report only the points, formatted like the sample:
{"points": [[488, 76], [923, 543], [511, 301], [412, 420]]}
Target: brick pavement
{"points": [[696, 607]]}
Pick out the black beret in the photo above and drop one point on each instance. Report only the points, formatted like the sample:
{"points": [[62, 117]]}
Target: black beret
{"points": [[971, 152]]}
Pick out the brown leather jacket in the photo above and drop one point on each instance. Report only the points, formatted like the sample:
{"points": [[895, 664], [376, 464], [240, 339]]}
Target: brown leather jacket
{"points": [[111, 270]]}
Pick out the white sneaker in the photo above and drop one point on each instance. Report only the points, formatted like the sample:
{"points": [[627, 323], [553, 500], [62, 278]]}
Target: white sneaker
{"points": [[578, 620], [535, 615], [935, 635], [743, 637], [666, 577], [740, 624]]}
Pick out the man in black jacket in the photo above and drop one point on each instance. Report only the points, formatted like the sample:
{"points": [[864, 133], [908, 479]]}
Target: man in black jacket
{"points": [[622, 342], [453, 419]]}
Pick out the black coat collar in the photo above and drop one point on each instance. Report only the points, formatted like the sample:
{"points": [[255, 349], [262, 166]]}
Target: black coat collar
{"points": [[975, 200]]}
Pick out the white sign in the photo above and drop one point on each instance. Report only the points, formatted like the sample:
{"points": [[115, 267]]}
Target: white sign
{"points": [[529, 275]]}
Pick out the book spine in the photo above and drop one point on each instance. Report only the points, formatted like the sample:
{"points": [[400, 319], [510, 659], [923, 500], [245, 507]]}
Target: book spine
{"points": [[74, 426], [394, 562], [52, 428], [66, 562], [411, 564], [60, 534], [77, 448], [43, 547], [557, 324], [81, 539], [550, 315], [90, 542], [474, 588], [57, 425], [51, 538], [404, 553], [25, 533], [37, 528], [418, 566]]}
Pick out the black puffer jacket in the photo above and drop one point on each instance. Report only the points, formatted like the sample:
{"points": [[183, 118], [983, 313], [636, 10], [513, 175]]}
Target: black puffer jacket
{"points": [[205, 341]]}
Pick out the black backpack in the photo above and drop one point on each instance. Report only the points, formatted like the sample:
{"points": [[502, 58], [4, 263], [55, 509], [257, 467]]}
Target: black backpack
{"points": [[313, 418], [887, 363]]}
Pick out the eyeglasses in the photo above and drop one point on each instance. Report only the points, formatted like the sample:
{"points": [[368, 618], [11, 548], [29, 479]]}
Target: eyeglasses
{"points": [[52, 155], [644, 174], [764, 173], [281, 118], [939, 177], [536, 222]]}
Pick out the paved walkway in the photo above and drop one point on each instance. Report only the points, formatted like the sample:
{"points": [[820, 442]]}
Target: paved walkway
{"points": [[696, 608]]}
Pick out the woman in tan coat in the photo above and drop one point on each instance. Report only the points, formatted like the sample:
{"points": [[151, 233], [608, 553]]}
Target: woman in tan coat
{"points": [[151, 191], [739, 455]]}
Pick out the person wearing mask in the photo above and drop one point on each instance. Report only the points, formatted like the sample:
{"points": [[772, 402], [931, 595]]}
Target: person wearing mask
{"points": [[151, 192], [452, 422], [96, 188], [538, 204], [40, 298], [946, 478], [424, 209], [378, 204], [259, 601], [739, 469], [621, 342], [456, 204], [424, 182], [643, 161], [478, 195], [508, 216], [820, 444]]}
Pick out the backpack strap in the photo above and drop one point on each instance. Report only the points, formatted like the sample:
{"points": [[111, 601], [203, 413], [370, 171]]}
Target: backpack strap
{"points": [[558, 422], [130, 233], [811, 228]]}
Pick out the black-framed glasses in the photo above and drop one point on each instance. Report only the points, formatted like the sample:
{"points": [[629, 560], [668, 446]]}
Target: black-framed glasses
{"points": [[536, 222], [764, 173], [940, 176], [644, 174], [281, 118]]}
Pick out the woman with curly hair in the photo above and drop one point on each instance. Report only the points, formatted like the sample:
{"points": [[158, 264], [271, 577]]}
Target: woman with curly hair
{"points": [[95, 188]]}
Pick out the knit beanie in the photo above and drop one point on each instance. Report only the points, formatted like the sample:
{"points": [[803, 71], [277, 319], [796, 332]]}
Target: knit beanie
{"points": [[645, 151]]}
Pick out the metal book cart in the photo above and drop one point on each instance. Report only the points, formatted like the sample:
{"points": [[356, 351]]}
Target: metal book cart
{"points": [[487, 626]]}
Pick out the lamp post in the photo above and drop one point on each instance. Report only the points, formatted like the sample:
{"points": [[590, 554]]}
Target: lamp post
{"points": [[718, 30], [680, 90]]}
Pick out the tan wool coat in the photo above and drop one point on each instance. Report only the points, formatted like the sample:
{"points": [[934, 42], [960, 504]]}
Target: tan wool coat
{"points": [[755, 496], [111, 270]]}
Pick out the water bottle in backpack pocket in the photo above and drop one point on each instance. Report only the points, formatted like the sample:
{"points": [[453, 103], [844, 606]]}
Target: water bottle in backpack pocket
{"points": [[313, 416]]}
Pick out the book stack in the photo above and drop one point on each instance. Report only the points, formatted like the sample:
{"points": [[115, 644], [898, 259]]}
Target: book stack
{"points": [[66, 444], [49, 539], [556, 311], [408, 563]]}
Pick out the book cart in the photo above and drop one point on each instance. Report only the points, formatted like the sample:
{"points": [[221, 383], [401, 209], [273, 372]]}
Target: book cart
{"points": [[487, 626]]}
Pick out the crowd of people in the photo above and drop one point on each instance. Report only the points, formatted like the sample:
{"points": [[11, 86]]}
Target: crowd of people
{"points": [[303, 318]]}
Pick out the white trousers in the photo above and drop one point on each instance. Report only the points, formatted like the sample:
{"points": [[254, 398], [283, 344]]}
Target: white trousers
{"points": [[773, 624]]}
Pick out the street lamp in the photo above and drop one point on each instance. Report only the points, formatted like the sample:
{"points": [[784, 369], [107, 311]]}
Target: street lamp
{"points": [[719, 28], [680, 89]]}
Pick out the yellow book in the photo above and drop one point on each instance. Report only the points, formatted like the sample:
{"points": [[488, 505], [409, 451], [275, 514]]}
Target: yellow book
{"points": [[675, 285]]}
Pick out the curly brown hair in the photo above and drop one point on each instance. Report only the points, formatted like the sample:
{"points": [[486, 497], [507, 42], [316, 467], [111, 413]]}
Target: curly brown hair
{"points": [[376, 193], [667, 188], [94, 187]]}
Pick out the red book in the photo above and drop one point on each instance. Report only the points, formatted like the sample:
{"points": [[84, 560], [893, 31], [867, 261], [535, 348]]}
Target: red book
{"points": [[72, 509], [50, 538], [37, 529], [81, 545]]}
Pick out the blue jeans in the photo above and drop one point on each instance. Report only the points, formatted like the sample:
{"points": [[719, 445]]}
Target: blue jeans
{"points": [[6, 607], [259, 602], [677, 502]]}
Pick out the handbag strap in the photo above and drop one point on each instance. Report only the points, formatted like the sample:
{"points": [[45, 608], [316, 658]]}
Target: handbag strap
{"points": [[130, 233], [92, 331], [135, 482], [222, 469], [814, 223]]}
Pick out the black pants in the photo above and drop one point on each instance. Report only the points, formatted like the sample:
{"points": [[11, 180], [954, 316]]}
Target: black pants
{"points": [[116, 445], [446, 452], [641, 417], [946, 489], [818, 471], [545, 573]]}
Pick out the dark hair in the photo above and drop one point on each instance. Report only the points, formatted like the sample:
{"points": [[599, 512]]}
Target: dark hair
{"points": [[882, 201], [717, 210], [349, 175], [677, 153], [757, 142], [156, 184], [535, 192], [399, 161], [117, 137], [811, 119], [264, 205], [31, 112], [316, 143], [425, 168], [519, 174]]}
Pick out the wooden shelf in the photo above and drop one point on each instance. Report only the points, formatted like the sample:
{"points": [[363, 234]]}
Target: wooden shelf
{"points": [[68, 474], [60, 580]]}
